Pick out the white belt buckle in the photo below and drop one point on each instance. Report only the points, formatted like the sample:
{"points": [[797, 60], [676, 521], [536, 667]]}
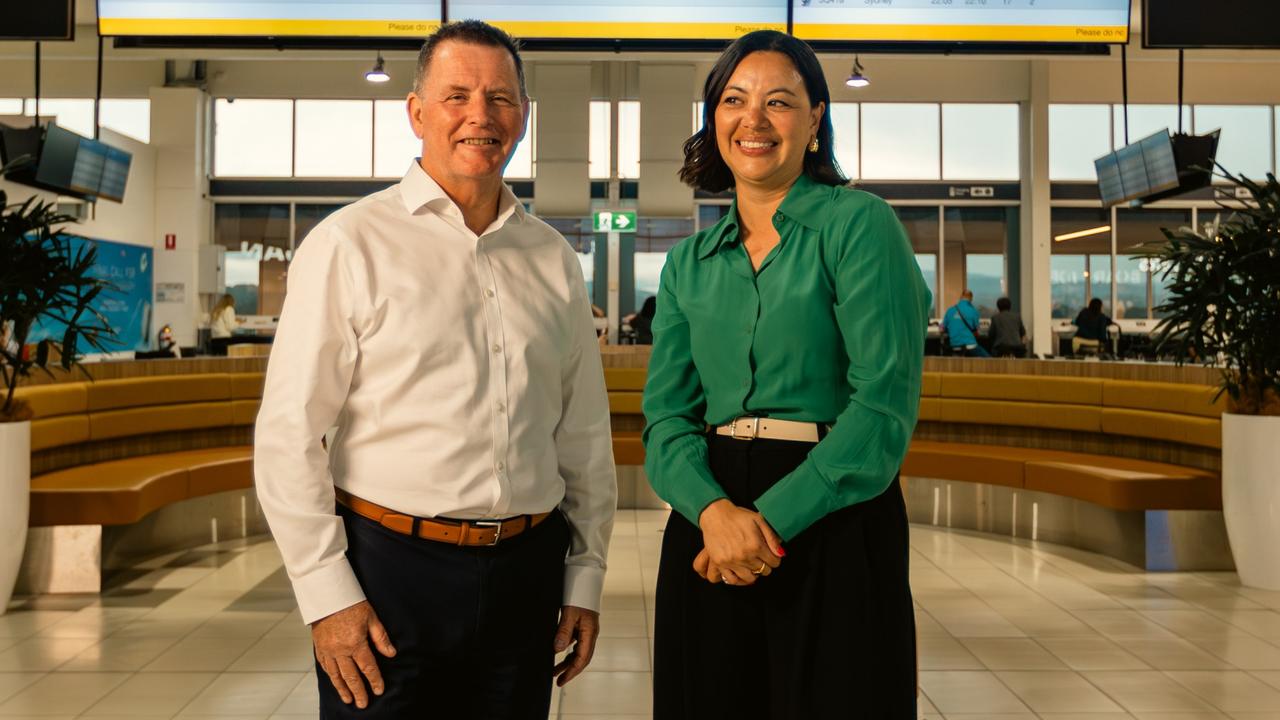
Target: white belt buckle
{"points": [[495, 524], [755, 428]]}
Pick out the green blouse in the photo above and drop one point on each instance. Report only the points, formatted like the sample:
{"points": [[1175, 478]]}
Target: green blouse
{"points": [[830, 329]]}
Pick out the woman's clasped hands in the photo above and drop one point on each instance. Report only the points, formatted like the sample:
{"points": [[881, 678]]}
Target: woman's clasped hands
{"points": [[739, 547]]}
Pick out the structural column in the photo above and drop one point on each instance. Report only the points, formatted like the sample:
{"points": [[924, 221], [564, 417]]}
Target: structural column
{"points": [[1035, 299]]}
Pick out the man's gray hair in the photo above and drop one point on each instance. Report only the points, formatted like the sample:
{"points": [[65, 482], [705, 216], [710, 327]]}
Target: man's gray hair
{"points": [[474, 32]]}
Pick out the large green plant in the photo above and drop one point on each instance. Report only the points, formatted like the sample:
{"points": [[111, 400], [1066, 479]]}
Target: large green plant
{"points": [[1224, 296], [43, 278]]}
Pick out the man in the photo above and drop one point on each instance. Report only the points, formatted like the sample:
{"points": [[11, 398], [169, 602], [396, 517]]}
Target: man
{"points": [[961, 324], [448, 337], [1007, 334]]}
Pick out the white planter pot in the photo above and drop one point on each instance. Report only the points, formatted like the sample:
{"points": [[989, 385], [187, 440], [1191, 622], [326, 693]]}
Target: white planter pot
{"points": [[1251, 496], [15, 498]]}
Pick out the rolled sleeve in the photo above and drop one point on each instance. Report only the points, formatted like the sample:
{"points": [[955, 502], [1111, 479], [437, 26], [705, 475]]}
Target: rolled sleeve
{"points": [[882, 311], [675, 407], [308, 376]]}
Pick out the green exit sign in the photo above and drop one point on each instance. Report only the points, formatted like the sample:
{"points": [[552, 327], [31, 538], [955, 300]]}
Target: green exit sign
{"points": [[614, 221]]}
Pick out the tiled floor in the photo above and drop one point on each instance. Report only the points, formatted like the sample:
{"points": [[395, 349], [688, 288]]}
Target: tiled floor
{"points": [[1008, 631]]}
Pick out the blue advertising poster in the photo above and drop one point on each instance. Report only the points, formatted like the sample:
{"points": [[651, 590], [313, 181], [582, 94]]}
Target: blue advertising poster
{"points": [[128, 307]]}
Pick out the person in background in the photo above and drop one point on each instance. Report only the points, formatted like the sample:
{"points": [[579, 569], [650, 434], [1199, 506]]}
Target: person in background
{"points": [[1091, 329], [222, 323], [1008, 335], [642, 321], [782, 391], [961, 325], [451, 538]]}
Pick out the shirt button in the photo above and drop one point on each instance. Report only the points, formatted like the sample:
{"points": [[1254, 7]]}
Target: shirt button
{"points": [[488, 292], [502, 466], [497, 348], [778, 217], [502, 408]]}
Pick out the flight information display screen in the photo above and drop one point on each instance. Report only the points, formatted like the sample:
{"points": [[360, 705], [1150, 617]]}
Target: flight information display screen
{"points": [[269, 18], [985, 21], [639, 19]]}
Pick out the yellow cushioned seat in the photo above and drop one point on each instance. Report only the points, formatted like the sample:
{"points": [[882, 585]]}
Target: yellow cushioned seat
{"points": [[1124, 484], [625, 403], [627, 448], [931, 384], [158, 418], [625, 378], [1025, 388], [1085, 418], [247, 385], [1184, 429], [930, 409], [163, 390], [218, 470], [48, 401], [244, 412], [59, 431], [1196, 400]]}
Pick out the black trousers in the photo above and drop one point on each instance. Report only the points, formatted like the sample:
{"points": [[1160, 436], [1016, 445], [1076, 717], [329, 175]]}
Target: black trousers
{"points": [[474, 628], [829, 634]]}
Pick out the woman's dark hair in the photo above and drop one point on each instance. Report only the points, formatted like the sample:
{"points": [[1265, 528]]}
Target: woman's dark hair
{"points": [[704, 168], [1004, 304], [1095, 306]]}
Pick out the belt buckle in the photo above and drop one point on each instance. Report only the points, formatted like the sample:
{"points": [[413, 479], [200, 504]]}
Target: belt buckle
{"points": [[495, 524], [755, 428]]}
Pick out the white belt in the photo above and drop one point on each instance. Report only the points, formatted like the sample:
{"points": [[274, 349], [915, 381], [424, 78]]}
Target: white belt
{"points": [[750, 428]]}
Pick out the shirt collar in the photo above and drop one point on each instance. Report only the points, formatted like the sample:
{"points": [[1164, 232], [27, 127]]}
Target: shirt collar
{"points": [[418, 189], [803, 204]]}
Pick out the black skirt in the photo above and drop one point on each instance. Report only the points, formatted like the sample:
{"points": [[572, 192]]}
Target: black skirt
{"points": [[829, 634]]}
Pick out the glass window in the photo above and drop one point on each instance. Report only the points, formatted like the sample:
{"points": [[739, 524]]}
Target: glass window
{"points": [[1133, 275], [922, 228], [900, 141], [10, 106], [654, 237], [306, 216], [975, 239], [697, 115], [394, 144], [628, 139], [1244, 148], [1077, 135], [521, 163], [709, 214], [130, 117], [577, 231], [598, 148], [1081, 240], [1147, 119], [253, 138], [844, 123], [74, 114], [334, 138], [980, 141], [256, 237]]}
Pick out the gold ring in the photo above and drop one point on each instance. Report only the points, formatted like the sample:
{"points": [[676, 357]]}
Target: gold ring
{"points": [[757, 572]]}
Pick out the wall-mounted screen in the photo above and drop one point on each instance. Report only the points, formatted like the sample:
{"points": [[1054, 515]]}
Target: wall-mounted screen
{"points": [[976, 21], [269, 18], [637, 19]]}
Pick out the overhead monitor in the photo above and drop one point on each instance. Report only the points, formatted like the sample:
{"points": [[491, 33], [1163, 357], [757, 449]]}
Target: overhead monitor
{"points": [[634, 20], [963, 21], [1220, 24], [1156, 167], [45, 20], [269, 18]]}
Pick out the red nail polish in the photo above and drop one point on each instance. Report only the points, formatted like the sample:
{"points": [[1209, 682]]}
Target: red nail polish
{"points": [[781, 552]]}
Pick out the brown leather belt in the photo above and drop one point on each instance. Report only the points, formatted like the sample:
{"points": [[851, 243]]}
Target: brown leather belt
{"points": [[467, 533]]}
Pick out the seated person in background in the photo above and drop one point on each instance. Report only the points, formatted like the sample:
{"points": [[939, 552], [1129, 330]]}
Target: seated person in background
{"points": [[602, 328], [1008, 335], [1091, 328], [641, 321], [961, 326]]}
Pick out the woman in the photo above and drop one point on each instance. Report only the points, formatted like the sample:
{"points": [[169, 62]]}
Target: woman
{"points": [[1091, 329], [222, 321], [795, 329]]}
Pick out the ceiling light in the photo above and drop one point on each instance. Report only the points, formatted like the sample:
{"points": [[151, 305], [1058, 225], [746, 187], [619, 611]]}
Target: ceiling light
{"points": [[857, 78], [378, 74], [1083, 233]]}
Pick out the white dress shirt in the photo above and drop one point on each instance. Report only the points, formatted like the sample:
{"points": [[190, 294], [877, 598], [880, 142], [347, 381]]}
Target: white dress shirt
{"points": [[461, 371], [224, 322]]}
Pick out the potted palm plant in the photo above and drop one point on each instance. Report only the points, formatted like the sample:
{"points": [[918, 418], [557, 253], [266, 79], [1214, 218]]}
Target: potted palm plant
{"points": [[46, 282], [1223, 308]]}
